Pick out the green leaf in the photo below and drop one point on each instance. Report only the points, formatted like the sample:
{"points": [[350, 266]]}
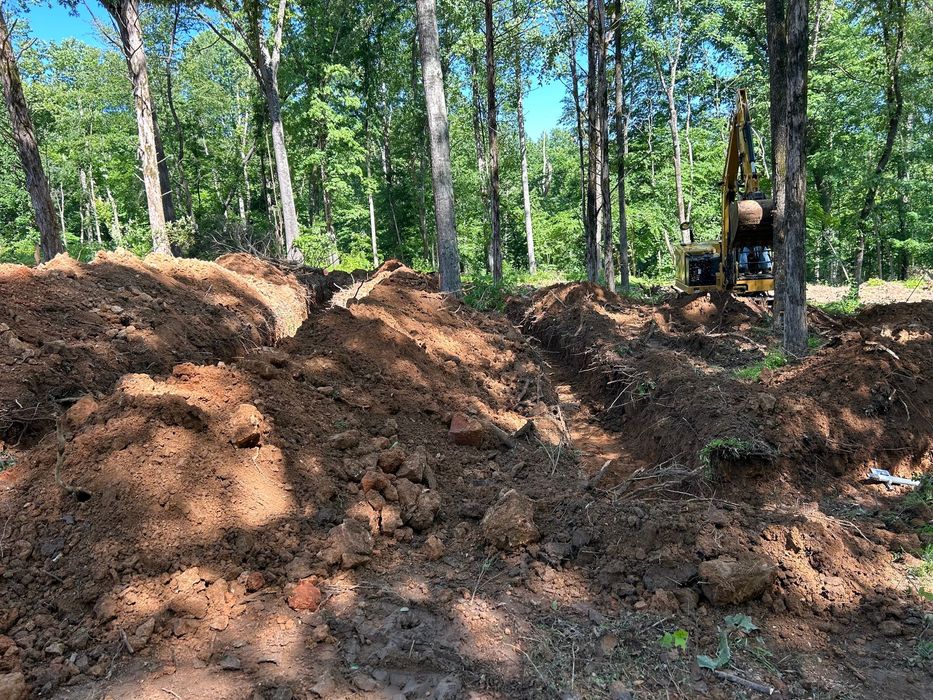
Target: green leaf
{"points": [[741, 622], [723, 657]]}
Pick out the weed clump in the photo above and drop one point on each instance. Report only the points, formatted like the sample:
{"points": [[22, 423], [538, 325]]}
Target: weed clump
{"points": [[734, 450]]}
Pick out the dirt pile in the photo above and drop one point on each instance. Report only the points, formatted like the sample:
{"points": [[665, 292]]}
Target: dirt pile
{"points": [[671, 380], [67, 328], [406, 499]]}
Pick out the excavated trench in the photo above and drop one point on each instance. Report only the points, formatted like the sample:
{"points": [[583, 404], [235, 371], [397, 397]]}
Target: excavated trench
{"points": [[298, 521]]}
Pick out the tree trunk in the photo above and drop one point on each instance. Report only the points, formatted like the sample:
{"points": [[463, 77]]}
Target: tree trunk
{"points": [[179, 128], [495, 241], [442, 180], [480, 142], [795, 299], [594, 151], [126, 15], [605, 198], [776, 15], [92, 203], [523, 149], [578, 110], [116, 232], [373, 239], [621, 147], [669, 85], [27, 148]]}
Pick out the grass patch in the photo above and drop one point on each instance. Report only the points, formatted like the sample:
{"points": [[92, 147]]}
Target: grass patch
{"points": [[922, 496], [6, 461], [849, 305], [732, 449], [775, 359], [874, 282], [924, 571]]}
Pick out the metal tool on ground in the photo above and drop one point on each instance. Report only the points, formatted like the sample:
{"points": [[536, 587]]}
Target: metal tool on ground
{"points": [[888, 479]]}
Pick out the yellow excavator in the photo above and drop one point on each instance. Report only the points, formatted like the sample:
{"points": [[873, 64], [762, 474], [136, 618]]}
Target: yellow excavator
{"points": [[741, 260]]}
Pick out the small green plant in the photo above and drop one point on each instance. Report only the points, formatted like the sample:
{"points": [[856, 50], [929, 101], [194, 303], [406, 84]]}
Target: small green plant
{"points": [[6, 461], [847, 306], [723, 654], [775, 359], [924, 650], [741, 622], [483, 294], [815, 342], [675, 640], [925, 569], [922, 496], [874, 282], [735, 449]]}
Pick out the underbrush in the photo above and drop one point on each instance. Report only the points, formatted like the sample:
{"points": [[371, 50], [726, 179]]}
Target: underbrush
{"points": [[733, 450], [849, 305]]}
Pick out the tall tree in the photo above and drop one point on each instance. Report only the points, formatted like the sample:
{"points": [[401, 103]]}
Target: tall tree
{"points": [[776, 19], [125, 14], [621, 124], [27, 147], [795, 293], [438, 129], [594, 53], [264, 57], [492, 125], [523, 154]]}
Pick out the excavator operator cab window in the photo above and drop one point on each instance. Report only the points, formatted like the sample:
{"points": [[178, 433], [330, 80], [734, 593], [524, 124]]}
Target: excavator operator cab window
{"points": [[759, 262], [702, 269]]}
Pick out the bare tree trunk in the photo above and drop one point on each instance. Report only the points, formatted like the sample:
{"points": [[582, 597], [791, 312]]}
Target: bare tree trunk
{"points": [[621, 124], [61, 209], [442, 180], [669, 84], [523, 149], [27, 148], [495, 241], [578, 110], [478, 137], [372, 210], [795, 303], [776, 14], [179, 128], [593, 170], [116, 232], [126, 15], [605, 198], [92, 203]]}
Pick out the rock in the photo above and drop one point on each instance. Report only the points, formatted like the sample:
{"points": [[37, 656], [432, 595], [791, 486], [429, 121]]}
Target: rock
{"points": [[325, 686], [607, 644], [414, 467], [348, 544], [375, 500], [448, 688], [422, 515], [510, 522], [305, 597], [245, 426], [891, 628], [255, 581], [391, 518], [728, 581], [187, 579], [433, 548], [466, 431], [192, 604], [677, 574], [300, 567], [141, 635], [231, 663], [80, 414], [374, 481], [345, 440], [80, 639], [407, 494], [55, 649], [390, 460], [13, 687]]}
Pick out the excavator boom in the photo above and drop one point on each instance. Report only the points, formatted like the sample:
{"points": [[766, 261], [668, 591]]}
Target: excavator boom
{"points": [[741, 260]]}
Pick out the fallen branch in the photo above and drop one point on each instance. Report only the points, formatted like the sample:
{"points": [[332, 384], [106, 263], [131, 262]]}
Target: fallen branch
{"points": [[745, 683]]}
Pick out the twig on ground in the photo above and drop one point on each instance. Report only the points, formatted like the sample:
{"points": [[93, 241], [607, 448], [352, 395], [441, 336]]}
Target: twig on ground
{"points": [[744, 682]]}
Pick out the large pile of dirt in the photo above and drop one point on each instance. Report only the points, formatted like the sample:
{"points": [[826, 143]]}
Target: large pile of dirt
{"points": [[67, 328], [403, 500]]}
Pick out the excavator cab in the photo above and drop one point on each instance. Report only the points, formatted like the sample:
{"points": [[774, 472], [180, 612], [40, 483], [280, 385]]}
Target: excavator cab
{"points": [[741, 260]]}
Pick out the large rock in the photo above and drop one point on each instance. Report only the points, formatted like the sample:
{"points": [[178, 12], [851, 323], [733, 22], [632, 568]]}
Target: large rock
{"points": [[305, 596], [729, 581], [422, 515], [510, 522], [246, 426], [466, 431], [348, 544], [13, 687]]}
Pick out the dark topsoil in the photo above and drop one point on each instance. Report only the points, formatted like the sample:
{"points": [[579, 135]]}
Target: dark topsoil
{"points": [[295, 521]]}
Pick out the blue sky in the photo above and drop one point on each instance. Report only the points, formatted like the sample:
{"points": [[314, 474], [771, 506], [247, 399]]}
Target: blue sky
{"points": [[543, 104]]}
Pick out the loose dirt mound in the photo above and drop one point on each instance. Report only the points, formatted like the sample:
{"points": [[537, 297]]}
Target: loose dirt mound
{"points": [[667, 377], [67, 328], [391, 504]]}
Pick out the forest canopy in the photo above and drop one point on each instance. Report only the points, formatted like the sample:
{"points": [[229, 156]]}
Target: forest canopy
{"points": [[354, 120]]}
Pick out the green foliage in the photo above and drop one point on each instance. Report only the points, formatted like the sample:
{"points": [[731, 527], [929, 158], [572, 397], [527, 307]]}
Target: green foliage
{"points": [[483, 294], [849, 305], [921, 498], [723, 654], [741, 622], [874, 282], [6, 460], [924, 570], [675, 640], [775, 359]]}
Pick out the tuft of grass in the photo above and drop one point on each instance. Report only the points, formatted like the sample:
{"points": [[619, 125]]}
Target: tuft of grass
{"points": [[734, 449], [483, 294], [6, 461], [874, 282], [922, 496], [775, 359], [849, 305], [924, 571]]}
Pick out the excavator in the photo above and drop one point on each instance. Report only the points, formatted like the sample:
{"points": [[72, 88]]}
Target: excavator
{"points": [[741, 260]]}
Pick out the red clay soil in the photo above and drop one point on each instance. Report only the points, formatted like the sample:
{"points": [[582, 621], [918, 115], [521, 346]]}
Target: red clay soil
{"points": [[67, 329], [296, 521]]}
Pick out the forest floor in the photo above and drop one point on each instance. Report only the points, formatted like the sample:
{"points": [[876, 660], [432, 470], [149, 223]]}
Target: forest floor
{"points": [[283, 484]]}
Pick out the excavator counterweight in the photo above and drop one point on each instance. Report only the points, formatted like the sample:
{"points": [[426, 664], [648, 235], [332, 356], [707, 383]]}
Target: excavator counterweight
{"points": [[741, 259]]}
